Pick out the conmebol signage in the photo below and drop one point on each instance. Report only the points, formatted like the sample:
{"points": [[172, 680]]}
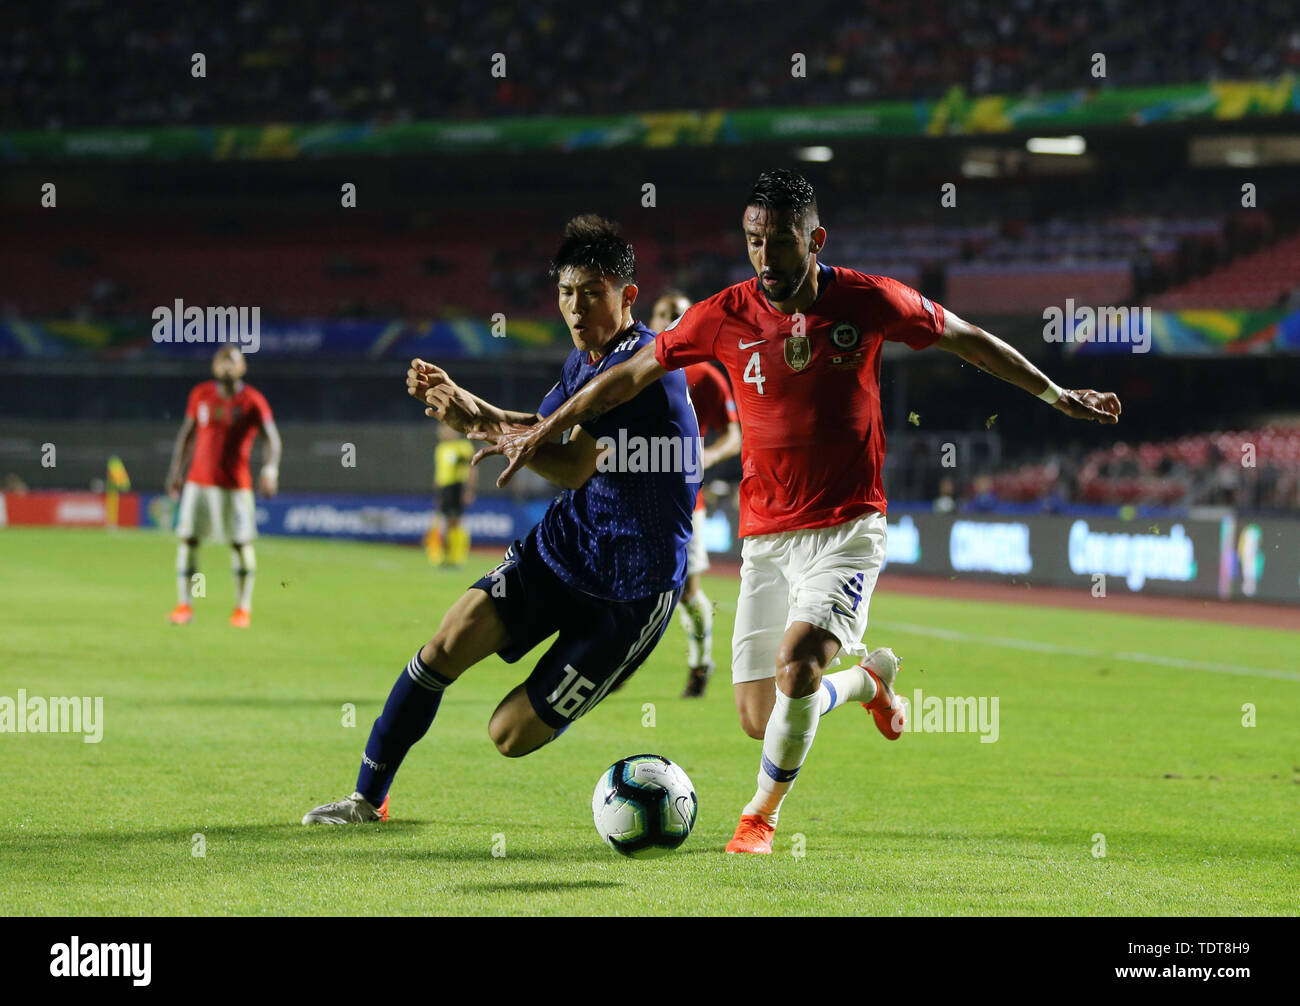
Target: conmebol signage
{"points": [[988, 547]]}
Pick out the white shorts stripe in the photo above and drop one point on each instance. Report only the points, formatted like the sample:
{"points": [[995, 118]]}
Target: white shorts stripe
{"points": [[663, 609]]}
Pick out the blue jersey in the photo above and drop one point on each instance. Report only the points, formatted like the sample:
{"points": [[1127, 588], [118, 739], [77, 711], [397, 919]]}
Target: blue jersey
{"points": [[622, 535]]}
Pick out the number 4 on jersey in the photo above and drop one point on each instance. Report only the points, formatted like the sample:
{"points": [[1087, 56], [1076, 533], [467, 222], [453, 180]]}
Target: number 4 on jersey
{"points": [[754, 372]]}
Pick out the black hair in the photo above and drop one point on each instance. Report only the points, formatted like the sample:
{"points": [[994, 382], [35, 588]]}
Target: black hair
{"points": [[782, 190], [591, 240]]}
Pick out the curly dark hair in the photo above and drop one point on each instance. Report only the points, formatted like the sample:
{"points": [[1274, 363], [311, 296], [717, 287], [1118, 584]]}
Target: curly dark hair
{"points": [[591, 240]]}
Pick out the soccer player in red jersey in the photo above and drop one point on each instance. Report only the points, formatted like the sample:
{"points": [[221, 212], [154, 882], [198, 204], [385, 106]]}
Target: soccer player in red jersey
{"points": [[802, 345], [716, 411], [222, 419]]}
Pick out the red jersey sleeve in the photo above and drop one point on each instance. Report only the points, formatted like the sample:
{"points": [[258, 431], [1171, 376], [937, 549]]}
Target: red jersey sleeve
{"points": [[690, 338], [264, 415], [905, 315]]}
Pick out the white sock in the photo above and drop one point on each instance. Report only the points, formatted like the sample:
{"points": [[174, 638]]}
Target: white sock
{"points": [[243, 564], [696, 614], [853, 685], [186, 559], [786, 743]]}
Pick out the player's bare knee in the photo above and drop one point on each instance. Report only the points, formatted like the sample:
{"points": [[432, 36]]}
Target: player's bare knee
{"points": [[438, 652], [798, 676], [508, 738]]}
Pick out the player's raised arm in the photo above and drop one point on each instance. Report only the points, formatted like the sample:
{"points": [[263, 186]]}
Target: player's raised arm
{"points": [[986, 351], [617, 385]]}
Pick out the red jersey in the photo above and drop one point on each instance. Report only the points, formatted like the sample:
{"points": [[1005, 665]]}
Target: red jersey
{"points": [[809, 400], [227, 428], [715, 409]]}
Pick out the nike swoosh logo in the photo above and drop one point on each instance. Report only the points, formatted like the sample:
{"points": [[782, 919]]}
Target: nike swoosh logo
{"points": [[747, 345]]}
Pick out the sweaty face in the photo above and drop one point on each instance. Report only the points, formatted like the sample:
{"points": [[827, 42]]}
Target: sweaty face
{"points": [[667, 310], [228, 365], [779, 250], [592, 305]]}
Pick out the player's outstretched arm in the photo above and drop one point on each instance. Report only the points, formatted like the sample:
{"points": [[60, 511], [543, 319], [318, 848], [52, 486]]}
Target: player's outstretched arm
{"points": [[180, 449], [458, 408], [986, 351], [620, 383]]}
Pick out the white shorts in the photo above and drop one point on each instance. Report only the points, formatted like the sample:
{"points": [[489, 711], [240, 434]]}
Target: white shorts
{"points": [[823, 576], [210, 513], [697, 556]]}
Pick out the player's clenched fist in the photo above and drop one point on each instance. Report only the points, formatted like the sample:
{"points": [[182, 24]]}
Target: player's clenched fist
{"points": [[1098, 406]]}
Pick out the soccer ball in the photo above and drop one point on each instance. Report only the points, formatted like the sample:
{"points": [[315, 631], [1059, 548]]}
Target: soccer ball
{"points": [[644, 806]]}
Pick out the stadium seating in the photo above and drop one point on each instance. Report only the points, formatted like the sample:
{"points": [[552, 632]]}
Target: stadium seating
{"points": [[1206, 468], [1254, 281], [296, 265]]}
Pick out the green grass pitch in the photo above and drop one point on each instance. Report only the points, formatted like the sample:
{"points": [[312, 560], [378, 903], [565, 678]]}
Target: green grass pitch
{"points": [[1109, 725]]}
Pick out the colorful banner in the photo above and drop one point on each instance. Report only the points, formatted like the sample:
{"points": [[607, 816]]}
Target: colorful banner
{"points": [[1169, 333], [400, 340], [957, 113], [1193, 333]]}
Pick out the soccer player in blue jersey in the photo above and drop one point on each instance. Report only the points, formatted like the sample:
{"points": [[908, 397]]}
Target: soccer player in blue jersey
{"points": [[605, 565]]}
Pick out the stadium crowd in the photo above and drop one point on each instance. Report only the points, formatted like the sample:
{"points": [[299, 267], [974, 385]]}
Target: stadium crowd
{"points": [[96, 62]]}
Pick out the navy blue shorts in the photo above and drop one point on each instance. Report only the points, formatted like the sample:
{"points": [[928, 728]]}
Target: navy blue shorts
{"points": [[600, 642]]}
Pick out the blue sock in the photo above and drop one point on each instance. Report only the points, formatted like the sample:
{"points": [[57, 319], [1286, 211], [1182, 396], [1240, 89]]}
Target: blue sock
{"points": [[406, 718]]}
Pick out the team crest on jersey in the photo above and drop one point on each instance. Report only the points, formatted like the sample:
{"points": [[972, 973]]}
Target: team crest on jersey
{"points": [[798, 351], [846, 335]]}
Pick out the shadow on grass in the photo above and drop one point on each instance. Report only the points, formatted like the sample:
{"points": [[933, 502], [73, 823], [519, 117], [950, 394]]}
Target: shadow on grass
{"points": [[536, 886], [245, 701], [1130, 842], [367, 841]]}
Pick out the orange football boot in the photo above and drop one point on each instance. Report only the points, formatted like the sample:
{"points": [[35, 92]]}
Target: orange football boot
{"points": [[181, 614], [753, 835], [240, 618], [886, 708]]}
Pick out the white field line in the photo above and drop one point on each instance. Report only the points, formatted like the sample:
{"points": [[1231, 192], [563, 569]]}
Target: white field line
{"points": [[1084, 651]]}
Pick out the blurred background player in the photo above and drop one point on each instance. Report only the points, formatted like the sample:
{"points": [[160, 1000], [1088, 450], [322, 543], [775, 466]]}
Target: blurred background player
{"points": [[716, 411], [455, 479], [222, 419]]}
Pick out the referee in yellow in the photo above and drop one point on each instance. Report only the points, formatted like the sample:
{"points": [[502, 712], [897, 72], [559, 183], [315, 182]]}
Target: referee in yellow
{"points": [[454, 479]]}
